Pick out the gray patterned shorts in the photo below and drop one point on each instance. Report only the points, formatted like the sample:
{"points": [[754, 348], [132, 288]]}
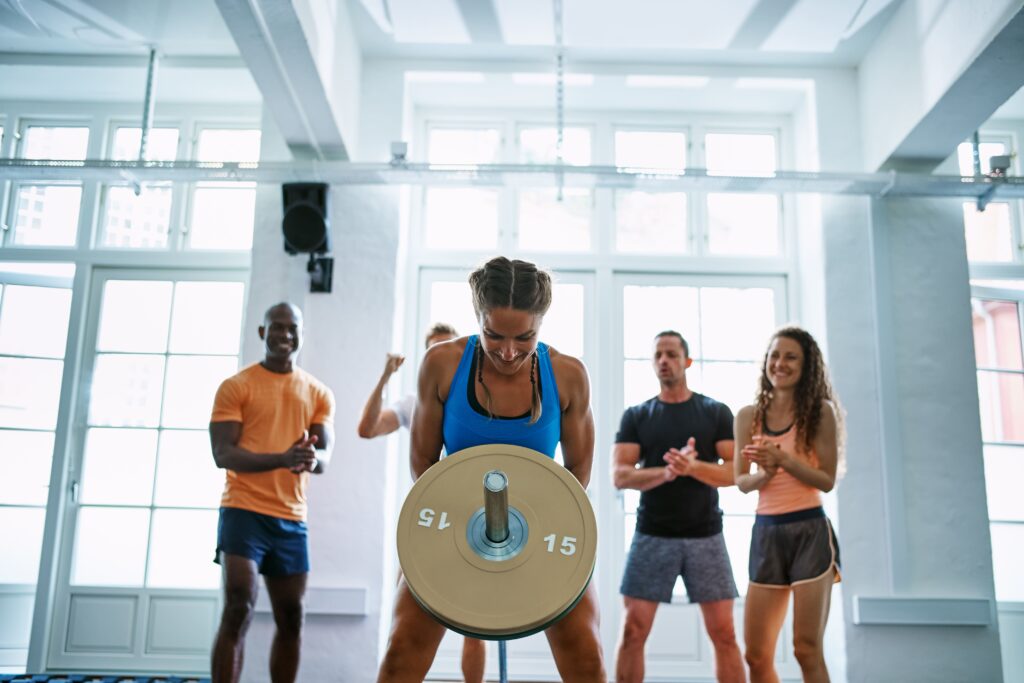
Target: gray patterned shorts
{"points": [[654, 563]]}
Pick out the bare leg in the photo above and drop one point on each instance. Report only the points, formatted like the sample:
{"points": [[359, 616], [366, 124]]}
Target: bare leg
{"points": [[762, 621], [415, 636], [240, 590], [474, 658], [719, 623], [286, 593], [811, 602], [637, 620], [576, 642]]}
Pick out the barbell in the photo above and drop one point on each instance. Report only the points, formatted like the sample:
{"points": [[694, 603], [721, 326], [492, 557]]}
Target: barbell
{"points": [[497, 541]]}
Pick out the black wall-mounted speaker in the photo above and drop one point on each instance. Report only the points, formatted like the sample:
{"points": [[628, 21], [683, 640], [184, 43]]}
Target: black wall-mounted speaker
{"points": [[307, 229]]}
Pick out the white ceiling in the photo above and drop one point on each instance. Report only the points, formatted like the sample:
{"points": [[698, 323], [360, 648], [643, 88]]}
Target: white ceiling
{"points": [[827, 32], [174, 27]]}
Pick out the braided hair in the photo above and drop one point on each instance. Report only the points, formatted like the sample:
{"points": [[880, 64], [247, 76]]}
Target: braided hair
{"points": [[520, 285]]}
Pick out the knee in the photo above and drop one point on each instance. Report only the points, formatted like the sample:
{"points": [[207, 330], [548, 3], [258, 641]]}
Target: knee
{"points": [[808, 652], [759, 659], [634, 632], [722, 635], [288, 619], [239, 607]]}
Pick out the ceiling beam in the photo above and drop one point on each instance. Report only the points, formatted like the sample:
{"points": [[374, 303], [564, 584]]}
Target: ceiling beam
{"points": [[760, 24], [481, 20], [271, 40]]}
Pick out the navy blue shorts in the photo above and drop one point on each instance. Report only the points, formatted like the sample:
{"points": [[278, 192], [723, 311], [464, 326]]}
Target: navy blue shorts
{"points": [[279, 547]]}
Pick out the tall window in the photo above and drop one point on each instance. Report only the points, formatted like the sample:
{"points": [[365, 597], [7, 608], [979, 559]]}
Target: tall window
{"points": [[742, 224], [162, 347], [221, 215], [998, 312]]}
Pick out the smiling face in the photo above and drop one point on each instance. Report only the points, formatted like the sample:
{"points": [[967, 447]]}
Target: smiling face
{"points": [[509, 338], [281, 333], [784, 363]]}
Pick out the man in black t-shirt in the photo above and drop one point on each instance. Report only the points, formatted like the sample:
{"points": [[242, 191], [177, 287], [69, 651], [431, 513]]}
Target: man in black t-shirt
{"points": [[677, 449]]}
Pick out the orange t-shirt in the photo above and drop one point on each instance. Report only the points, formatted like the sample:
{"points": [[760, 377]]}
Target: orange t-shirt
{"points": [[274, 410], [784, 492]]}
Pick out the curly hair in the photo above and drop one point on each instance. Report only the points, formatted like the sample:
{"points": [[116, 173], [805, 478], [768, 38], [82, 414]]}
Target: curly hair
{"points": [[812, 392]]}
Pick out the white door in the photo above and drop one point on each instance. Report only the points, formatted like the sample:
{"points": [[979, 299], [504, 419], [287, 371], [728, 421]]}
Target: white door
{"points": [[138, 590]]}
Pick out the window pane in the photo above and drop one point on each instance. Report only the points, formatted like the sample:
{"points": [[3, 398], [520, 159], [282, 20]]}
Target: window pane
{"points": [[29, 392], [228, 145], [126, 391], [110, 547], [118, 466], [650, 310], [737, 531], [461, 218], [21, 529], [563, 325], [25, 459], [650, 149], [207, 317], [630, 529], [55, 142], [540, 146], [652, 222], [1007, 559], [1004, 469], [138, 222], [997, 342], [735, 502], [630, 501], [47, 215], [736, 323], [186, 475], [1001, 396], [180, 550], [742, 224], [464, 146], [639, 382], [134, 316], [739, 154], [988, 233], [452, 303], [192, 382], [222, 217], [547, 224], [986, 150], [731, 383], [162, 144], [24, 332]]}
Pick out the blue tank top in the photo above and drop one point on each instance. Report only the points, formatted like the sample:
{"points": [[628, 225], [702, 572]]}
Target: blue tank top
{"points": [[465, 427]]}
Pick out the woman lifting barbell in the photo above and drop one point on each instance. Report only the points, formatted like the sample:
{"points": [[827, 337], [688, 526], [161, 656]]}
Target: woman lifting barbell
{"points": [[501, 386]]}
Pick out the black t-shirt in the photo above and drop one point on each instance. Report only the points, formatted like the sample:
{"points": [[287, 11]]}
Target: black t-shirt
{"points": [[683, 507]]}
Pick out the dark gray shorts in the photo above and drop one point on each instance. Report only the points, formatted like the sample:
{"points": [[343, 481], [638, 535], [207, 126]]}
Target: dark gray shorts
{"points": [[792, 548], [654, 563]]}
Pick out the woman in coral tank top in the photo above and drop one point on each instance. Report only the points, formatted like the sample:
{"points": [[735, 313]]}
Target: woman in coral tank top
{"points": [[793, 434]]}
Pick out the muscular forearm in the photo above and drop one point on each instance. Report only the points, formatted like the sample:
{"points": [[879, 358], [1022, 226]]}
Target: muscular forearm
{"points": [[240, 460], [713, 474], [643, 479]]}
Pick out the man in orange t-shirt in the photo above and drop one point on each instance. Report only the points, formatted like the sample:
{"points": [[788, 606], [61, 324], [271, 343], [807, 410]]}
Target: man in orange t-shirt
{"points": [[272, 425]]}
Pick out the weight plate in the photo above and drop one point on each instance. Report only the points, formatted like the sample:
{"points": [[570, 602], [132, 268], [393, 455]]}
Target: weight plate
{"points": [[502, 595]]}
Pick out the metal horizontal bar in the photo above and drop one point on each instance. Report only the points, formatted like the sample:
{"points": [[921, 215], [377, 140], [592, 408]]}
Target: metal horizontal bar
{"points": [[500, 175]]}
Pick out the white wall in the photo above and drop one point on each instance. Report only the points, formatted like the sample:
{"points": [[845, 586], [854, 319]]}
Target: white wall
{"points": [[343, 330]]}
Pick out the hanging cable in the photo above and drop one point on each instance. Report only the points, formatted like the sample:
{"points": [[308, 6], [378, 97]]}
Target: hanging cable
{"points": [[559, 96]]}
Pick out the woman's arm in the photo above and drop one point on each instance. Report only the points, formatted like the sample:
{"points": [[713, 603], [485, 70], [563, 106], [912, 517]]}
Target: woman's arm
{"points": [[577, 419], [745, 480], [826, 445], [427, 432]]}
